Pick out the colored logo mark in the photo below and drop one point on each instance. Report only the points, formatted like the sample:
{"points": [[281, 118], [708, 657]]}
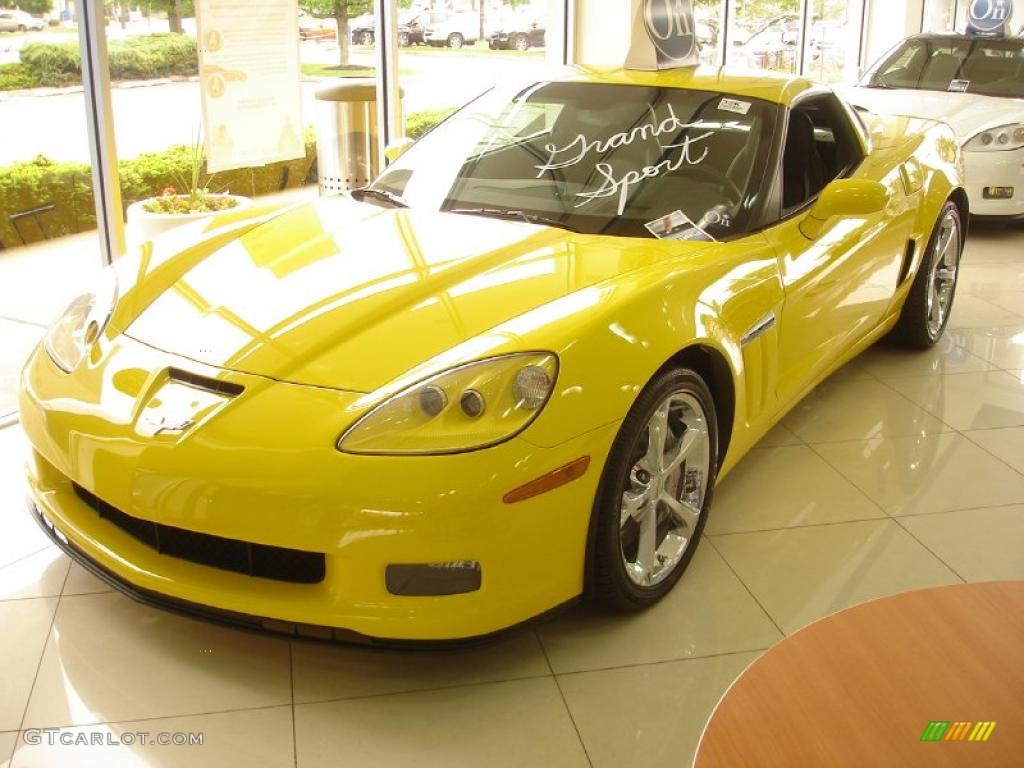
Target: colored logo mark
{"points": [[943, 730]]}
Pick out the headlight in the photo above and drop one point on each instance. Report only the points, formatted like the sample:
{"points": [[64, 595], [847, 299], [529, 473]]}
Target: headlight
{"points": [[462, 409], [1003, 137], [71, 335]]}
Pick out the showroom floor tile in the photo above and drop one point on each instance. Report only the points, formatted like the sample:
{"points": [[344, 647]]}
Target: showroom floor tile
{"points": [[1004, 444], [651, 714], [802, 574], [932, 473], [965, 401], [523, 722], [741, 503], [903, 470], [709, 612], [979, 544], [856, 409], [101, 644]]}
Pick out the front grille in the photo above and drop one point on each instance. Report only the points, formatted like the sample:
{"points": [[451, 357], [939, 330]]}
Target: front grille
{"points": [[268, 562]]}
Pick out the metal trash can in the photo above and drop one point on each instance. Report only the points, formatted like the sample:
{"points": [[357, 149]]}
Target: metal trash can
{"points": [[346, 135]]}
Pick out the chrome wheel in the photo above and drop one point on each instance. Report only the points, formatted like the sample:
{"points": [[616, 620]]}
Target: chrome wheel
{"points": [[661, 505], [945, 261]]}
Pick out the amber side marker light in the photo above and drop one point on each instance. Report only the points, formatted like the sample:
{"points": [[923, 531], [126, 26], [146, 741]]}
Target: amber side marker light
{"points": [[553, 479]]}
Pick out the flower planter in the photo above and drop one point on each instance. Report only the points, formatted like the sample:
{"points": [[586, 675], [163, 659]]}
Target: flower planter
{"points": [[144, 225]]}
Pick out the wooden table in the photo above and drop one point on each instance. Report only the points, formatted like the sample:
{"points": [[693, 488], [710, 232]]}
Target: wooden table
{"points": [[860, 687]]}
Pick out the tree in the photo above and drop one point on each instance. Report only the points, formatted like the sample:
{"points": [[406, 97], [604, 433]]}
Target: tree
{"points": [[341, 11], [176, 10], [29, 6]]}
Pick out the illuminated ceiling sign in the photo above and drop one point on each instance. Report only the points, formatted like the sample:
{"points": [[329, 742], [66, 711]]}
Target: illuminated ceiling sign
{"points": [[663, 35], [988, 18]]}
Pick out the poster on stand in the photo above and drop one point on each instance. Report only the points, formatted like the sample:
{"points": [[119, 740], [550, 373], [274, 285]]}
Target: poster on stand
{"points": [[250, 80]]}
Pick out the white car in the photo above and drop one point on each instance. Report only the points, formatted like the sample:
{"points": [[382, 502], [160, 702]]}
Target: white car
{"points": [[19, 21], [974, 84], [452, 29]]}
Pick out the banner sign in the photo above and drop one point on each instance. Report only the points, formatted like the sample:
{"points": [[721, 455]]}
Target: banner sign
{"points": [[663, 35], [988, 18], [250, 80]]}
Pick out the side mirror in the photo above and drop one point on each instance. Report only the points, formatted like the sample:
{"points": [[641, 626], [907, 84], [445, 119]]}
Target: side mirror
{"points": [[396, 148], [843, 197]]}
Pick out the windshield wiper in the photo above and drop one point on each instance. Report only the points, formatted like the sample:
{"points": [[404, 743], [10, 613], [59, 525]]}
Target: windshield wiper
{"points": [[502, 213], [379, 194]]}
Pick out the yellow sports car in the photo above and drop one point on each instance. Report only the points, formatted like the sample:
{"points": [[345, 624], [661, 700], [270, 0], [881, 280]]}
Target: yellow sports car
{"points": [[506, 374]]}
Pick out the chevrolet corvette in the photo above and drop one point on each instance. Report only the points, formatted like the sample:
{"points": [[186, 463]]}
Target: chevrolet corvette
{"points": [[507, 374], [974, 84]]}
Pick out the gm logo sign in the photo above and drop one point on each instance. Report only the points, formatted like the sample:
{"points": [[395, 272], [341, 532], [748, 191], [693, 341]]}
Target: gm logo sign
{"points": [[988, 17], [669, 25]]}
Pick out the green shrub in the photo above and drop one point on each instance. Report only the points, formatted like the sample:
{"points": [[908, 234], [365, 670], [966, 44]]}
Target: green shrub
{"points": [[14, 76], [418, 123], [53, 63], [135, 58], [68, 186]]}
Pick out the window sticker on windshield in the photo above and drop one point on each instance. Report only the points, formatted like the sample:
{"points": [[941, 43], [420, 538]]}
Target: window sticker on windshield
{"points": [[734, 105], [958, 86], [676, 226]]}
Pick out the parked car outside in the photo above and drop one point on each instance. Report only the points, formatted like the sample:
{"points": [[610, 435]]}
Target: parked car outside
{"points": [[363, 30], [316, 28], [519, 32], [452, 29], [19, 21]]}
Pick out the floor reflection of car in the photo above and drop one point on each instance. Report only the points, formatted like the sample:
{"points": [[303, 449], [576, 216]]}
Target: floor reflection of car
{"points": [[976, 86], [315, 28], [520, 32], [19, 21]]}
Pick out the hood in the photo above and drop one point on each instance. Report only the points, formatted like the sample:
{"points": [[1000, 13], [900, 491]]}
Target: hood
{"points": [[966, 113], [349, 296]]}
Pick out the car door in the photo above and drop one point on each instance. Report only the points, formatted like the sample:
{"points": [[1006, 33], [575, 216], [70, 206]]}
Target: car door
{"points": [[838, 284]]}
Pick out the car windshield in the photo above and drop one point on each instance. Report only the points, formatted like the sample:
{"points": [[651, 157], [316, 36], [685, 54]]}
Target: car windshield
{"points": [[957, 64], [629, 160]]}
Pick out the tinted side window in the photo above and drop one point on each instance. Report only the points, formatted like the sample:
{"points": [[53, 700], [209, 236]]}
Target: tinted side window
{"points": [[820, 146]]}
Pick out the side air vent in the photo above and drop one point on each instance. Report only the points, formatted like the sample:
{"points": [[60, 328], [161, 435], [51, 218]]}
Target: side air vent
{"points": [[908, 259]]}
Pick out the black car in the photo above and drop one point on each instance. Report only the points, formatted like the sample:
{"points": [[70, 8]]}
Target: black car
{"points": [[410, 32], [519, 34]]}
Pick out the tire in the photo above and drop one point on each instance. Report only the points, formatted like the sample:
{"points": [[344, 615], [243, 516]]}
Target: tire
{"points": [[928, 305], [520, 43], [403, 39], [622, 577], [456, 40], [366, 38], [21, 28]]}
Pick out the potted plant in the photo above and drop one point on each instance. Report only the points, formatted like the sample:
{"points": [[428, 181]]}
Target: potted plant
{"points": [[189, 200]]}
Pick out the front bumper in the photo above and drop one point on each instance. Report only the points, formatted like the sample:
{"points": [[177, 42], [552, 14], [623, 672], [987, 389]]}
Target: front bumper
{"points": [[995, 169], [263, 469]]}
